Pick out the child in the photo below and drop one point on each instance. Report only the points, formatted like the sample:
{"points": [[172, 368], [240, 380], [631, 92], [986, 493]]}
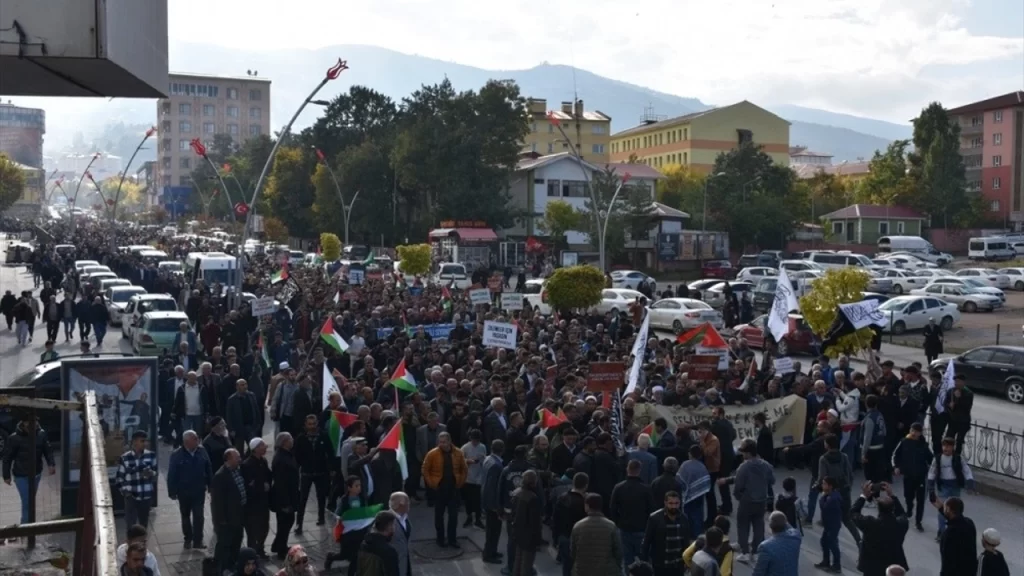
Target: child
{"points": [[832, 519], [786, 503], [724, 554], [350, 540], [50, 355]]}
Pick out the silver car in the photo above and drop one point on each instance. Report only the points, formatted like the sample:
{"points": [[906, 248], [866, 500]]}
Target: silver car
{"points": [[966, 298], [876, 283]]}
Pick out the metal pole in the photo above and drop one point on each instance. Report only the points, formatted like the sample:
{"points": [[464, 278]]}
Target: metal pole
{"points": [[345, 209], [73, 201], [117, 195], [590, 188], [608, 214], [704, 212], [198, 147], [332, 73], [348, 214]]}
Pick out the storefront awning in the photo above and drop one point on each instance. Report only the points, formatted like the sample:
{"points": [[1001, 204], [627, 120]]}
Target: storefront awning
{"points": [[466, 234]]}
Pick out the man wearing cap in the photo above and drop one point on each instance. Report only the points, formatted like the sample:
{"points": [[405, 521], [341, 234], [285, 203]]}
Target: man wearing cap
{"points": [[992, 562], [258, 483]]}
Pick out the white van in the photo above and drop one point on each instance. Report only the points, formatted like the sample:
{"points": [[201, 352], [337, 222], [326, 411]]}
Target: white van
{"points": [[915, 245], [139, 305], [828, 260], [453, 274], [990, 248]]}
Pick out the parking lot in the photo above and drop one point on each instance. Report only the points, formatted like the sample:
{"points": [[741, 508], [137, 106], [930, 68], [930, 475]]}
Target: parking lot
{"points": [[1000, 327]]}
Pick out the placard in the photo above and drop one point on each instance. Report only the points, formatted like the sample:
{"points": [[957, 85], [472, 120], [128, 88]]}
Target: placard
{"points": [[721, 353], [605, 376], [356, 276], [785, 418], [513, 301], [703, 366], [479, 296], [783, 365], [263, 306], [500, 334]]}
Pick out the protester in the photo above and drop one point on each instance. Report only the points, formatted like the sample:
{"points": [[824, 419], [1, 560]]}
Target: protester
{"points": [[992, 562], [402, 537], [912, 459], [189, 477], [569, 510], [258, 487], [948, 475], [666, 536], [19, 461], [377, 557], [779, 555], [137, 535], [135, 479], [285, 495], [228, 500], [753, 487], [594, 545], [958, 542]]}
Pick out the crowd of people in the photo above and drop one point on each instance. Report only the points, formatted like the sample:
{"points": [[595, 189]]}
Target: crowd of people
{"points": [[511, 440]]}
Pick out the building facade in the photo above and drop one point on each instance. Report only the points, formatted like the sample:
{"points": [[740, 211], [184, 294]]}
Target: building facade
{"points": [[201, 106], [992, 145], [864, 224], [21, 134], [695, 140], [802, 156], [590, 131]]}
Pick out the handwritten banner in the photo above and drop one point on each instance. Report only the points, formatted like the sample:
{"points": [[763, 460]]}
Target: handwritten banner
{"points": [[785, 417]]}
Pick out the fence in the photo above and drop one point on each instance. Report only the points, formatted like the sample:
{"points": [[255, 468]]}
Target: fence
{"points": [[94, 528], [994, 450]]}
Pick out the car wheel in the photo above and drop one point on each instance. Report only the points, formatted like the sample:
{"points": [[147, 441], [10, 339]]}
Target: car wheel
{"points": [[897, 288], [970, 307], [947, 323], [1014, 393], [783, 347], [1019, 285], [899, 327], [677, 326]]}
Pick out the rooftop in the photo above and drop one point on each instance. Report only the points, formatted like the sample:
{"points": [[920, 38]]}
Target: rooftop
{"points": [[804, 151], [593, 116], [856, 211], [805, 171], [1004, 101], [173, 75], [639, 171], [679, 120]]}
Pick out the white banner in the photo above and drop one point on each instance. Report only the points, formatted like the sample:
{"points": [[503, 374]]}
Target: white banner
{"points": [[479, 296], [639, 350], [864, 313], [500, 334], [784, 303], [783, 365], [263, 306], [355, 277], [513, 301], [948, 383]]}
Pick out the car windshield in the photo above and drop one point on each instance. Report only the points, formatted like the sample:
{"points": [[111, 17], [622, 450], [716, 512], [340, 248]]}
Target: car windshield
{"points": [[970, 290], [163, 324], [452, 270], [172, 266], [974, 283], [162, 305], [125, 295]]}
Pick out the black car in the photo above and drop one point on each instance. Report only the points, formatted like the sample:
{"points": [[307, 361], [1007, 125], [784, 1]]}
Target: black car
{"points": [[998, 369]]}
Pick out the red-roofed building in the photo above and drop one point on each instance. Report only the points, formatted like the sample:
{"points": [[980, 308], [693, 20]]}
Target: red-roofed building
{"points": [[866, 223]]}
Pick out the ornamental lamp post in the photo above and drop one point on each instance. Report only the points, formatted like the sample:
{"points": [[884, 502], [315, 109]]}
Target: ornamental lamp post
{"points": [[199, 148], [346, 209], [81, 178], [124, 174], [332, 73]]}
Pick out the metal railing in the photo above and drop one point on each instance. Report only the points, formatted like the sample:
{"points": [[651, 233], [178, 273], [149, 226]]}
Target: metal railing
{"points": [[996, 450], [95, 532], [961, 339]]}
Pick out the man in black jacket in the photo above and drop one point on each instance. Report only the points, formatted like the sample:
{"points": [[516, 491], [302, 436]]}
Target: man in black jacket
{"points": [[809, 455], [228, 501], [511, 479], [258, 484], [882, 535], [376, 554], [313, 454], [726, 434], [911, 460], [563, 454], [490, 501], [606, 469], [244, 416], [667, 535], [958, 546], [630, 506], [284, 498], [667, 481]]}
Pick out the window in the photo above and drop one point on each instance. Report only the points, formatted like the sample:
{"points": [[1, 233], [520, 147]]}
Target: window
{"points": [[597, 149], [997, 116], [183, 145], [165, 107], [686, 133], [979, 355], [997, 183], [255, 113], [551, 128], [165, 162], [232, 93], [255, 94], [685, 160], [184, 180], [165, 143], [209, 109], [184, 126], [900, 228], [554, 188], [209, 128], [185, 109], [837, 228], [993, 206], [254, 130], [233, 129], [997, 138], [598, 129], [574, 189], [977, 142], [551, 147], [185, 163], [997, 160], [744, 137], [166, 180], [233, 111]]}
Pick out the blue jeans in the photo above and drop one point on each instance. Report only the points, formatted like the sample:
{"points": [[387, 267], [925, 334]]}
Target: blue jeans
{"points": [[694, 511], [193, 423], [563, 551], [947, 490], [830, 548], [100, 329], [69, 328], [21, 483], [812, 503], [632, 545]]}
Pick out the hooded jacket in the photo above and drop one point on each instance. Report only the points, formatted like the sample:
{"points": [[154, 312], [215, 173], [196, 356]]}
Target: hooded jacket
{"points": [[836, 465], [17, 458], [246, 555]]}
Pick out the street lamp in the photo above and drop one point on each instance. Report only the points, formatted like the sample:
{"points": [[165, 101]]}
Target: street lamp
{"points": [[704, 213], [346, 209], [332, 74], [95, 157], [608, 214], [200, 149]]}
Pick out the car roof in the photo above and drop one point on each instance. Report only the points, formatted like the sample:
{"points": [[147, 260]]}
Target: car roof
{"points": [[125, 288], [684, 300], [167, 314], [998, 347], [154, 297]]}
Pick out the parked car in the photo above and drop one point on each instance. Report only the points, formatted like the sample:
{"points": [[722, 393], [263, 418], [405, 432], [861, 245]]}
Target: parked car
{"points": [[932, 273], [799, 340], [903, 281], [747, 260], [908, 260], [679, 314], [715, 295], [986, 275], [770, 258], [1016, 276], [718, 269], [966, 299], [97, 278], [799, 265], [998, 369], [87, 271], [1018, 247], [631, 279], [18, 253], [453, 274], [109, 283], [904, 313], [703, 284], [877, 282], [155, 332], [535, 297], [971, 283], [616, 300], [755, 273], [117, 298], [763, 295], [142, 303], [82, 264], [874, 296]]}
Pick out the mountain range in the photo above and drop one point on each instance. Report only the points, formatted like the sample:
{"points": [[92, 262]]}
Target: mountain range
{"points": [[293, 72]]}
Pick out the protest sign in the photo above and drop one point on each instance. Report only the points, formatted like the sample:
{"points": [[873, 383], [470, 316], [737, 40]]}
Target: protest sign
{"points": [[263, 306], [783, 365], [356, 276], [604, 376], [479, 296], [785, 416], [703, 366], [513, 301], [500, 334], [435, 331]]}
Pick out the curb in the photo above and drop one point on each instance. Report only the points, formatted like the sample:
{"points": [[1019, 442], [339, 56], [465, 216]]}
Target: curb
{"points": [[1002, 488]]}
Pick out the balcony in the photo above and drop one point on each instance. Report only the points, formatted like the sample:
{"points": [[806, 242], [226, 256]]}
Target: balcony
{"points": [[966, 129]]}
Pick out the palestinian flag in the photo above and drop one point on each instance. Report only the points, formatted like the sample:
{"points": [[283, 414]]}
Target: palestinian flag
{"points": [[336, 425], [704, 336], [548, 419], [281, 274], [332, 338], [405, 327], [264, 354], [370, 259], [395, 440], [337, 297], [355, 519], [403, 379], [650, 431], [446, 299]]}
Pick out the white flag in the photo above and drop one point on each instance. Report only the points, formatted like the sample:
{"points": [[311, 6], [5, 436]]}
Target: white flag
{"points": [[337, 296], [639, 351], [945, 387], [863, 313], [330, 385], [784, 303]]}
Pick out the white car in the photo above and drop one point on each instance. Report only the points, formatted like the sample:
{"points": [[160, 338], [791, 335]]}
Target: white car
{"points": [[755, 273], [616, 300], [453, 274], [139, 305], [933, 273], [715, 295], [111, 282], [932, 256], [904, 281], [534, 296], [904, 313], [803, 279], [90, 270], [971, 283], [990, 277], [703, 284], [679, 314], [1018, 247], [117, 298], [631, 279], [79, 264], [967, 299], [909, 261], [799, 265], [1016, 276]]}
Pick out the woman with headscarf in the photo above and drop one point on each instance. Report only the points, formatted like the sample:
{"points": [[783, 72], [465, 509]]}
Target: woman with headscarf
{"points": [[297, 563], [248, 564]]}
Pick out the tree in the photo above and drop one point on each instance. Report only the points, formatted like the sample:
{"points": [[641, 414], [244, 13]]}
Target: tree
{"points": [[681, 189], [820, 306], [559, 217], [289, 189], [330, 246], [12, 182], [363, 168], [604, 184], [887, 182], [275, 230], [414, 259], [937, 168], [825, 193], [129, 200], [574, 287], [637, 214]]}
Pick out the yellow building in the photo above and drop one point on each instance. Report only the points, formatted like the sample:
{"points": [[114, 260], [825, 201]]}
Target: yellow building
{"points": [[34, 178], [590, 132], [695, 140]]}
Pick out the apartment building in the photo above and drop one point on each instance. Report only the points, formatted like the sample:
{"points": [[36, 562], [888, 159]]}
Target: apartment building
{"points": [[21, 134], [992, 145], [201, 106], [695, 140], [589, 131]]}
